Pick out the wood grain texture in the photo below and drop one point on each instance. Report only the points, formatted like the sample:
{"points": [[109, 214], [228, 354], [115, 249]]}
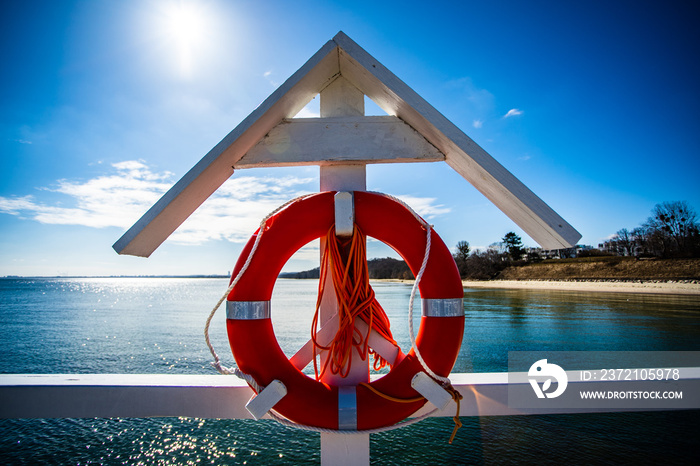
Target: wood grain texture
{"points": [[322, 141]]}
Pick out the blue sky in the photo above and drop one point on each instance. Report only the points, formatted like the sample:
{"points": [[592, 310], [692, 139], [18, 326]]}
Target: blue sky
{"points": [[104, 105]]}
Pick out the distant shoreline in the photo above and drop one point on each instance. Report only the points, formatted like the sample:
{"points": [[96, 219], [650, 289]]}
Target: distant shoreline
{"points": [[34, 277], [670, 287], [604, 286]]}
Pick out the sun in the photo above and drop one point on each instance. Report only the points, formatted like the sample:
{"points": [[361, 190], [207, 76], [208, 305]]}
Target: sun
{"points": [[184, 23], [185, 28]]}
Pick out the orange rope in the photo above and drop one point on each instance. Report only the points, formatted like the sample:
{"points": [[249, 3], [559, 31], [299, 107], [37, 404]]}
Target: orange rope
{"points": [[457, 397], [346, 260], [392, 398]]}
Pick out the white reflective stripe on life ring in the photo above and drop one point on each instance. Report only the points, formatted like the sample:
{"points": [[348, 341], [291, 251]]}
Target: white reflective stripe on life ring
{"points": [[247, 310], [452, 307], [347, 408]]}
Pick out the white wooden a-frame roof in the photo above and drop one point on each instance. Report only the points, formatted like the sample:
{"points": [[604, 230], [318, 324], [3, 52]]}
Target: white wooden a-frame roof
{"points": [[413, 132]]}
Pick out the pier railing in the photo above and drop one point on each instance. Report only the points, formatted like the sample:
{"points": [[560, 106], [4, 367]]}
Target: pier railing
{"points": [[224, 397]]}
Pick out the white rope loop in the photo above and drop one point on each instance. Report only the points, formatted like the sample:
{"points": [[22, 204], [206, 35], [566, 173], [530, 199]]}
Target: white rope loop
{"points": [[217, 362], [428, 240], [411, 333]]}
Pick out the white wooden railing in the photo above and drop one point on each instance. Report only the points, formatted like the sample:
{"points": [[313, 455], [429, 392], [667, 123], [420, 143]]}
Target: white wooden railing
{"points": [[224, 397]]}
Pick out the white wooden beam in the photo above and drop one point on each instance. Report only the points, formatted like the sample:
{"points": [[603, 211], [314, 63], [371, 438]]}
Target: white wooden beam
{"points": [[321, 141], [123, 395], [224, 397], [217, 165], [341, 99], [378, 343], [345, 177], [510, 195], [341, 66]]}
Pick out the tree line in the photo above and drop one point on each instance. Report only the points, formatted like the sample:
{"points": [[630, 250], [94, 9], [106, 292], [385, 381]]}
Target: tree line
{"points": [[485, 265], [672, 231], [377, 268]]}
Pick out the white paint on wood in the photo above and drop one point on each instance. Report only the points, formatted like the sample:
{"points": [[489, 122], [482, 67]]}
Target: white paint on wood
{"points": [[344, 207], [343, 449], [343, 67], [263, 402], [123, 395], [324, 335], [346, 177], [431, 390], [384, 348], [224, 397], [340, 99], [317, 141]]}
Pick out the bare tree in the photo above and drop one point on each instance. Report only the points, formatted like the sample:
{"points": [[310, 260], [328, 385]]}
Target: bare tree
{"points": [[625, 242], [675, 224], [641, 239]]}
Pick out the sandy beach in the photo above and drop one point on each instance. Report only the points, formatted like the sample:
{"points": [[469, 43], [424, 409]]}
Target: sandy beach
{"points": [[654, 287]]}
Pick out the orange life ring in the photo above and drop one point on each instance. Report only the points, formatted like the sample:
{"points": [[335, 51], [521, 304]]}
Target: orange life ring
{"points": [[314, 403]]}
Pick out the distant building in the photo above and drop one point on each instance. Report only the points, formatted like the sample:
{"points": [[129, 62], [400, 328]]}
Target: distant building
{"points": [[566, 253]]}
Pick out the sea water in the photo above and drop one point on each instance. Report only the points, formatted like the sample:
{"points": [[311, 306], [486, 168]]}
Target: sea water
{"points": [[155, 325]]}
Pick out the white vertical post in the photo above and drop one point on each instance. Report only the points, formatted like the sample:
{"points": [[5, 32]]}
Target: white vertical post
{"points": [[341, 98]]}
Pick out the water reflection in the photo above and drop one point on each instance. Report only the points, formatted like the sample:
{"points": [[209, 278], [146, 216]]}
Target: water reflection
{"points": [[499, 321]]}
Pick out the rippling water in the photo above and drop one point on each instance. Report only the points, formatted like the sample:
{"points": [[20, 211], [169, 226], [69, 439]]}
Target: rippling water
{"points": [[124, 325]]}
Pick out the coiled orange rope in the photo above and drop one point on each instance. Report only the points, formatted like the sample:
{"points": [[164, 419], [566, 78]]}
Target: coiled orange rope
{"points": [[346, 259]]}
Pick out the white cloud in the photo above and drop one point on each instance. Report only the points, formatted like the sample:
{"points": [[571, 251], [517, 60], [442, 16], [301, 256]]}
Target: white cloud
{"points": [[16, 205], [119, 199], [268, 77], [104, 201], [513, 112], [425, 206], [471, 100], [235, 210]]}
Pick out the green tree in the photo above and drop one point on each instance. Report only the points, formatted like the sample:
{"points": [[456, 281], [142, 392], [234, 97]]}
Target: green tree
{"points": [[483, 265], [462, 250], [461, 257], [514, 245]]}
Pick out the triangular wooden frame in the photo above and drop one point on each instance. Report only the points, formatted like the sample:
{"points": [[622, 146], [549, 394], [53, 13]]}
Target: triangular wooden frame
{"points": [[430, 137]]}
